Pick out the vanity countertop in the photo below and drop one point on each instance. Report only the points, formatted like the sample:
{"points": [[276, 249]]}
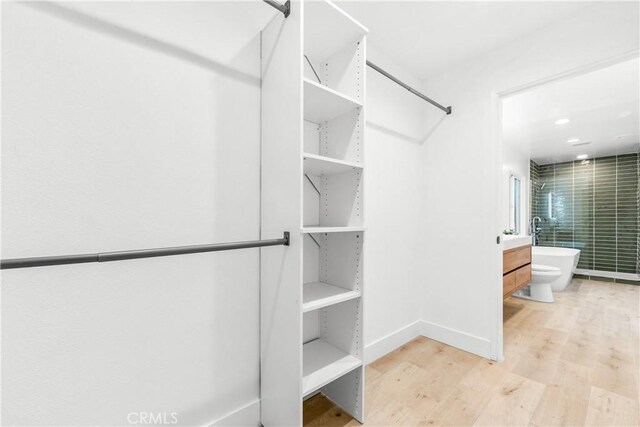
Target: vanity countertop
{"points": [[511, 241]]}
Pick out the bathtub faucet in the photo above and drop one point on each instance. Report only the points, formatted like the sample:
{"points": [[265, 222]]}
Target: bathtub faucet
{"points": [[535, 231]]}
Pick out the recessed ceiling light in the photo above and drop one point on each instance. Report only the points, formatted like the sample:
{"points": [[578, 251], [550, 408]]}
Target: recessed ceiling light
{"points": [[562, 121], [582, 156], [575, 142]]}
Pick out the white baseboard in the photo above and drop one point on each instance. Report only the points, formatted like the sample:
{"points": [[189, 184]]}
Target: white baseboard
{"points": [[453, 337], [390, 342], [245, 416]]}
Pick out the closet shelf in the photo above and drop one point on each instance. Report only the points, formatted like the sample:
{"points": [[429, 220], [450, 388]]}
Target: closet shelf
{"points": [[321, 165], [318, 295], [322, 364], [319, 229], [328, 29], [322, 104]]}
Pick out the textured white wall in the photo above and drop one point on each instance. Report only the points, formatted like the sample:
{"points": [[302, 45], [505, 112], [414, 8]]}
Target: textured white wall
{"points": [[136, 125]]}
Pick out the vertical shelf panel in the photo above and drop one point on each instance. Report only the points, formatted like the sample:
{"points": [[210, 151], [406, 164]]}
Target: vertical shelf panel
{"points": [[342, 137], [281, 267], [346, 392], [333, 200], [341, 200]]}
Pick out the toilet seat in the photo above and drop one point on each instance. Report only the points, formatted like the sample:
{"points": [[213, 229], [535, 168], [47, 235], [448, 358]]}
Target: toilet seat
{"points": [[539, 268]]}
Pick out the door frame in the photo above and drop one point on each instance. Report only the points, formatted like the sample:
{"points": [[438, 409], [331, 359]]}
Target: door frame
{"points": [[497, 97]]}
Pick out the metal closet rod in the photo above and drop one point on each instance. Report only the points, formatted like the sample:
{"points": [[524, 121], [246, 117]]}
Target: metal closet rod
{"points": [[141, 253], [409, 88], [284, 8]]}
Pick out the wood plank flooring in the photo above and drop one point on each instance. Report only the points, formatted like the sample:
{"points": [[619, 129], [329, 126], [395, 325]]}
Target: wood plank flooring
{"points": [[571, 363]]}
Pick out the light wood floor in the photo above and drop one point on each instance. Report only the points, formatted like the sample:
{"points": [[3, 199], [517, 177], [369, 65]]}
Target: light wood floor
{"points": [[574, 362]]}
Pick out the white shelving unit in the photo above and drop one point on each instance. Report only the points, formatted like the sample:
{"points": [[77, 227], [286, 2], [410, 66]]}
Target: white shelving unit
{"points": [[323, 364], [319, 294], [322, 103], [312, 292], [321, 165], [310, 230]]}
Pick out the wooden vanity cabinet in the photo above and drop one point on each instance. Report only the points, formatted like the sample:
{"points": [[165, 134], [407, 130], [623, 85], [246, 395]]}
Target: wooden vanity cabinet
{"points": [[516, 269], [508, 284]]}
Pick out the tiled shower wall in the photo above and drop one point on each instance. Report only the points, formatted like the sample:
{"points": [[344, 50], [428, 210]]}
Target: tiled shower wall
{"points": [[594, 208]]}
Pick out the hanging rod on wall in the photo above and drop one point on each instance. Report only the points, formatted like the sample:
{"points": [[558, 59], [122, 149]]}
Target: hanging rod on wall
{"points": [[140, 253], [284, 8], [409, 88]]}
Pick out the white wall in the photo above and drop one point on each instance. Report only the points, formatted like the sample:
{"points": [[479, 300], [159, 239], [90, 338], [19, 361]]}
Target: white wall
{"points": [[462, 160], [138, 129], [394, 214], [516, 162]]}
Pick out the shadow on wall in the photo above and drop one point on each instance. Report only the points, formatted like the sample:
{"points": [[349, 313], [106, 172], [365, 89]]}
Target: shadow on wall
{"points": [[96, 24], [267, 52], [435, 126], [400, 135]]}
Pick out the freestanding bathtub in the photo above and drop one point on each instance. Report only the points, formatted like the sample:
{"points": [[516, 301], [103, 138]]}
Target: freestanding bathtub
{"points": [[566, 259]]}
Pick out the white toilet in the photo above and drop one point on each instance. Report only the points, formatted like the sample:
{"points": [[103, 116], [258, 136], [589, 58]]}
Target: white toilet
{"points": [[540, 287]]}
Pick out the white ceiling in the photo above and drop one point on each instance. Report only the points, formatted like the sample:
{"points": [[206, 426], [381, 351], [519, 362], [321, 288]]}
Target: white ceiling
{"points": [[603, 107], [424, 36]]}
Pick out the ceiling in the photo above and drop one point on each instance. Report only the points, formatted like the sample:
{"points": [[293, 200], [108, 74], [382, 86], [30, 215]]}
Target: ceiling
{"points": [[603, 108], [450, 31]]}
